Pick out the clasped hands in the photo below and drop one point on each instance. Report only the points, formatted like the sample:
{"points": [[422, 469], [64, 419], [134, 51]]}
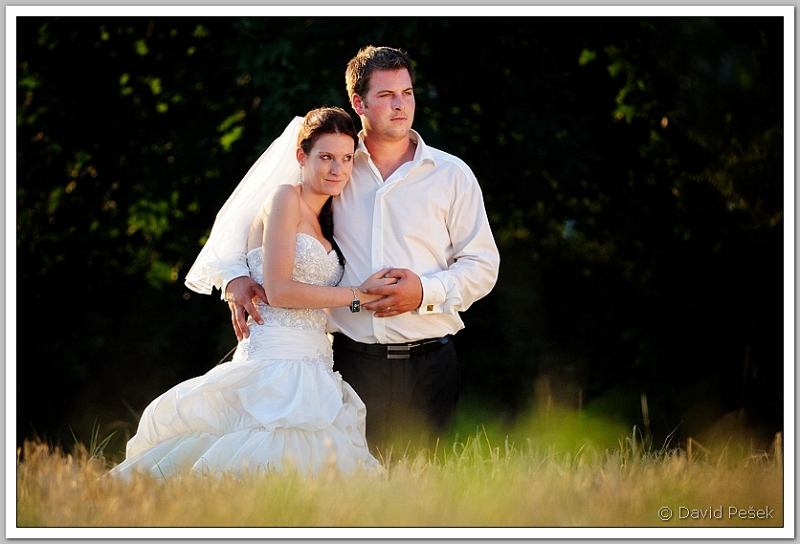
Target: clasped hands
{"points": [[402, 293]]}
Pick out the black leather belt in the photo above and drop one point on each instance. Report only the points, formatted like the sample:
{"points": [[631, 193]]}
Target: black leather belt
{"points": [[390, 351]]}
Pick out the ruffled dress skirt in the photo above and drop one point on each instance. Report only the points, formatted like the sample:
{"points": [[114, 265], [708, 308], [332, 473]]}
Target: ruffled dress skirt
{"points": [[277, 405]]}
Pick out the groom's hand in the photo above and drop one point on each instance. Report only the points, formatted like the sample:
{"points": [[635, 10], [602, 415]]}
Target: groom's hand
{"points": [[240, 293], [403, 296]]}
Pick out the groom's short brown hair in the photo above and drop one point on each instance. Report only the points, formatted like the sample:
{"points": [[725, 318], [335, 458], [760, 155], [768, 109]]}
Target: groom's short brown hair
{"points": [[368, 60]]}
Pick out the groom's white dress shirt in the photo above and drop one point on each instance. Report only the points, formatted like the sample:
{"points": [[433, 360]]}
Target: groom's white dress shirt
{"points": [[429, 217]]}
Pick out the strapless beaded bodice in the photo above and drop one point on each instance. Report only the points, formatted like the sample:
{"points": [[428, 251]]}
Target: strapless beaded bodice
{"points": [[313, 265]]}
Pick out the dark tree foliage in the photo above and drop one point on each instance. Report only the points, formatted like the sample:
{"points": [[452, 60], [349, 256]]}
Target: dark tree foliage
{"points": [[632, 169]]}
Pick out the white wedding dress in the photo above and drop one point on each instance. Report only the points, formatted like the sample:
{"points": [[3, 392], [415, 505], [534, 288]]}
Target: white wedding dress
{"points": [[277, 404]]}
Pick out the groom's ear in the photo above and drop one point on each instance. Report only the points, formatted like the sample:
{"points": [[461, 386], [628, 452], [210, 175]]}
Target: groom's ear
{"points": [[358, 104]]}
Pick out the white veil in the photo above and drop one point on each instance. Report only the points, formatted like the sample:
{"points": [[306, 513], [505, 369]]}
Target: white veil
{"points": [[223, 257]]}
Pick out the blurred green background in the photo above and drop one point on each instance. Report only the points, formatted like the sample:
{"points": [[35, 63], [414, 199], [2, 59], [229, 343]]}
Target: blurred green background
{"points": [[632, 169]]}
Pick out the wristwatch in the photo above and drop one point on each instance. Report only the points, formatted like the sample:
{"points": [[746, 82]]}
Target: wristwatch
{"points": [[355, 306]]}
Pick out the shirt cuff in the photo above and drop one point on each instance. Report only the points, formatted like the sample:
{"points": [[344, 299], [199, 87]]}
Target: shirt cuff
{"points": [[433, 296]]}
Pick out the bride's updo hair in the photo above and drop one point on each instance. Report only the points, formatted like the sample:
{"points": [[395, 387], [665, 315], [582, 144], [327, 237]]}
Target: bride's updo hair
{"points": [[327, 120], [317, 122]]}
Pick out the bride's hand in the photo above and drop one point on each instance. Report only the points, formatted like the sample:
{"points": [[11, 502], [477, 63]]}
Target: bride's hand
{"points": [[378, 279]]}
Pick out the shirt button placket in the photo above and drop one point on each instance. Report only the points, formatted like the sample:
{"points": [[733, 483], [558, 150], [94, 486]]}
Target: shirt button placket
{"points": [[379, 213]]}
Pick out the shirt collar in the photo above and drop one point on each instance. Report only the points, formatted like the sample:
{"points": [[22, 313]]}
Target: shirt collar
{"points": [[421, 154]]}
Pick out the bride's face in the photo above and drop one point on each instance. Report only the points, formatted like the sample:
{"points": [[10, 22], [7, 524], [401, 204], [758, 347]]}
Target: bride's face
{"points": [[327, 167]]}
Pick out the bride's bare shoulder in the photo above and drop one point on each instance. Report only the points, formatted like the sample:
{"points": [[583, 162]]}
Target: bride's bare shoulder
{"points": [[284, 195], [283, 202]]}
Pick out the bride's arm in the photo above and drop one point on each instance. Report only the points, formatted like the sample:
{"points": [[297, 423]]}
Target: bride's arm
{"points": [[278, 245]]}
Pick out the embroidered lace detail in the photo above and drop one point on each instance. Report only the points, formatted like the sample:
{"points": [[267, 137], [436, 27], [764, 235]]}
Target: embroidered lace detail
{"points": [[313, 265], [311, 320]]}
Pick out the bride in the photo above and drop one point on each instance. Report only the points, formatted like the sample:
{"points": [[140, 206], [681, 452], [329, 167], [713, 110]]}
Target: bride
{"points": [[278, 403]]}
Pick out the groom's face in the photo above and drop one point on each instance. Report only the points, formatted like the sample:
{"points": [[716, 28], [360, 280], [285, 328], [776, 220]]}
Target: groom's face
{"points": [[387, 107]]}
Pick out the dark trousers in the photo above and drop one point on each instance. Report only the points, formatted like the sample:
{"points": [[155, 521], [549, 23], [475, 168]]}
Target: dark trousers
{"points": [[407, 399]]}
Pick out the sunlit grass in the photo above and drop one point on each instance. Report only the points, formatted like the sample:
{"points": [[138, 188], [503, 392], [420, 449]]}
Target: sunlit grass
{"points": [[550, 471]]}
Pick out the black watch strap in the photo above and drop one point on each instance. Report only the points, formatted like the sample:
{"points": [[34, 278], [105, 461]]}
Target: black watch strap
{"points": [[355, 306]]}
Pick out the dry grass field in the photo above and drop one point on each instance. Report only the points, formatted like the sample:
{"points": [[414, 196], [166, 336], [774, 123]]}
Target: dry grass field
{"points": [[515, 483]]}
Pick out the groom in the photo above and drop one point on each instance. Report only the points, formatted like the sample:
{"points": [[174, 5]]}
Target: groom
{"points": [[420, 212]]}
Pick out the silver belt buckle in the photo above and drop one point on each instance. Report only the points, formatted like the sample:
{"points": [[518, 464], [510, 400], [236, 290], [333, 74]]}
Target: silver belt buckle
{"points": [[402, 352]]}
